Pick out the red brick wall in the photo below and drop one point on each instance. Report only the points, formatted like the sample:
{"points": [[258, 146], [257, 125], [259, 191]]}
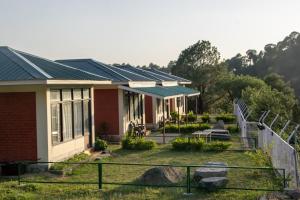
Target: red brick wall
{"points": [[148, 109], [106, 110], [172, 104], [18, 139]]}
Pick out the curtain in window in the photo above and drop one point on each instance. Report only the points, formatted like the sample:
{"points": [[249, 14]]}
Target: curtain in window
{"points": [[67, 120], [86, 117], [78, 118], [55, 123], [136, 106], [131, 107]]}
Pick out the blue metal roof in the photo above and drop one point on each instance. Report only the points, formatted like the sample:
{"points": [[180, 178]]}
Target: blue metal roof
{"points": [[114, 73], [183, 90], [16, 65], [157, 91], [155, 76], [177, 78]]}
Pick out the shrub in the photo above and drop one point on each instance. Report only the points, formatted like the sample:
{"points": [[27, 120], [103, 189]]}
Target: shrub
{"points": [[197, 144], [190, 128], [216, 146], [134, 143], [227, 118], [182, 144], [233, 129], [260, 158], [174, 115], [100, 145], [205, 118], [191, 117]]}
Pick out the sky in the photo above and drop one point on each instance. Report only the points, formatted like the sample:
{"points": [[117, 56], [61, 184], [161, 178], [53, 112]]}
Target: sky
{"points": [[139, 31]]}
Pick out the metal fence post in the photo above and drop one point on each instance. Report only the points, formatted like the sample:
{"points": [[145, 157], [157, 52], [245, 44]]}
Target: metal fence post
{"points": [[188, 180], [100, 175], [19, 173], [284, 179]]}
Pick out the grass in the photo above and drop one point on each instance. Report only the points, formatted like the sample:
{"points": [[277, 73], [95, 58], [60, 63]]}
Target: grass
{"points": [[128, 174]]}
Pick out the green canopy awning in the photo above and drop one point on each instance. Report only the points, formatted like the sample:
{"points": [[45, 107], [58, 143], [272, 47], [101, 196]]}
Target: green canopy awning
{"points": [[156, 91], [183, 90]]}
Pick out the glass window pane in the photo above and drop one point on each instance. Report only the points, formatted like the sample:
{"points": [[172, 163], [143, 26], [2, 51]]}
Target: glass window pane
{"points": [[77, 94], [55, 123], [78, 118], [55, 95], [86, 93], [86, 117], [66, 94], [67, 120]]}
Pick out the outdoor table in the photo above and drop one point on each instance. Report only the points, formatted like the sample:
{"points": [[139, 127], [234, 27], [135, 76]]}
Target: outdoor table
{"points": [[205, 133]]}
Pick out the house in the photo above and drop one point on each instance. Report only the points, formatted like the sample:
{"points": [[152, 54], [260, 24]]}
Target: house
{"points": [[154, 106], [51, 110], [123, 101], [47, 108]]}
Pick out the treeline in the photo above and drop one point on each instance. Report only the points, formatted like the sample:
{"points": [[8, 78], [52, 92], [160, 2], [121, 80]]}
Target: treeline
{"points": [[263, 80]]}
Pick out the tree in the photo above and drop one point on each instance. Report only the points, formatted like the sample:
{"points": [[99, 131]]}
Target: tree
{"points": [[233, 85], [200, 64], [266, 98]]}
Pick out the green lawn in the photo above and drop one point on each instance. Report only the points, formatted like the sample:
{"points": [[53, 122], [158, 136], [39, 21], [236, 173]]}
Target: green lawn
{"points": [[128, 174]]}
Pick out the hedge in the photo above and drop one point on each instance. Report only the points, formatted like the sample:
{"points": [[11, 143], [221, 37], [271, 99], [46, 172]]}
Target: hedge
{"points": [[190, 128], [198, 144], [227, 118], [136, 143], [233, 129]]}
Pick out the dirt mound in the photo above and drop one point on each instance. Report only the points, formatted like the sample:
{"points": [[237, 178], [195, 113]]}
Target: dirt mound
{"points": [[161, 176]]}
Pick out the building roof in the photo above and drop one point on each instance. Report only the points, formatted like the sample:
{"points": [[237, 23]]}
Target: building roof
{"points": [[183, 90], [157, 92], [146, 73], [116, 74], [18, 66], [177, 78]]}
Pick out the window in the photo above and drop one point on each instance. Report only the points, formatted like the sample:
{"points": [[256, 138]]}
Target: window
{"points": [[70, 114], [159, 106], [55, 123], [86, 117]]}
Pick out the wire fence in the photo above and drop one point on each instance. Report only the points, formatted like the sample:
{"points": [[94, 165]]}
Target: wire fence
{"points": [[281, 152], [129, 174]]}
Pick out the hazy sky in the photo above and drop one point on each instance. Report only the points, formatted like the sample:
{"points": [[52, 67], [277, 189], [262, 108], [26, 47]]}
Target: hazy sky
{"points": [[139, 31]]}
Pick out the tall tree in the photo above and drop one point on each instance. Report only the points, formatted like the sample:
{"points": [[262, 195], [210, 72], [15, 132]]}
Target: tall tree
{"points": [[200, 64]]}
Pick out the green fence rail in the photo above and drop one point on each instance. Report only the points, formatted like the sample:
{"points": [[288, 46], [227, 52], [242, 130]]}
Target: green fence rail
{"points": [[188, 185]]}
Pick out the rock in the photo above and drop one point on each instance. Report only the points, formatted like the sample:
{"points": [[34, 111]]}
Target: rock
{"points": [[216, 164], [219, 125], [206, 172], [161, 176], [213, 183], [295, 194]]}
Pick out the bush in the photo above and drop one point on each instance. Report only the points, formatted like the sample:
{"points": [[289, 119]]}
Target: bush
{"points": [[174, 115], [216, 146], [205, 118], [134, 143], [100, 145], [191, 117], [190, 128], [233, 129], [181, 144], [197, 144], [227, 118]]}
